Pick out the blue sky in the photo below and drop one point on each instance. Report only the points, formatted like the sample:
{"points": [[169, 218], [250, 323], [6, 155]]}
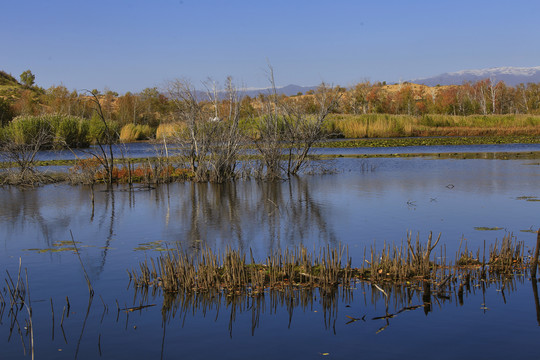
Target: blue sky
{"points": [[130, 45]]}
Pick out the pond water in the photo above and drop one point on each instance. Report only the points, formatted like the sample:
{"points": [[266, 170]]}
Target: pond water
{"points": [[145, 149], [360, 203]]}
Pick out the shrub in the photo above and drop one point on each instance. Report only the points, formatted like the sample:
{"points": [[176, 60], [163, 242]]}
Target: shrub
{"points": [[69, 131], [97, 133]]}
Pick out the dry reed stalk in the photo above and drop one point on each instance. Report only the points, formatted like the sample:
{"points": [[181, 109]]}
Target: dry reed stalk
{"points": [[206, 272], [87, 278], [534, 262]]}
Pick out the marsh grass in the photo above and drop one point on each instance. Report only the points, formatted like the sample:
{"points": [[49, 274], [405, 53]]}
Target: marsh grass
{"points": [[97, 130], [179, 271], [61, 131], [169, 130], [386, 125], [131, 133]]}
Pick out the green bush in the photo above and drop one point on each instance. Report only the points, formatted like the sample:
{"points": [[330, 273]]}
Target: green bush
{"points": [[97, 130], [54, 130], [26, 129], [70, 130]]}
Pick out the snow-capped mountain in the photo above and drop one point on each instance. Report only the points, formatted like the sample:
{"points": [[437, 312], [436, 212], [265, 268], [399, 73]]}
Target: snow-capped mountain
{"points": [[512, 76]]}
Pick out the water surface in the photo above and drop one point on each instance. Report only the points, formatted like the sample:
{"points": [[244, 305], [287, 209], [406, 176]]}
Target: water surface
{"points": [[359, 203]]}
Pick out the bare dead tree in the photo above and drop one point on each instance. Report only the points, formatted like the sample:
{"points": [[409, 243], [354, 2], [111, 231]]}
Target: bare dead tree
{"points": [[269, 127], [224, 148], [105, 158], [302, 131], [287, 132], [23, 155], [211, 139]]}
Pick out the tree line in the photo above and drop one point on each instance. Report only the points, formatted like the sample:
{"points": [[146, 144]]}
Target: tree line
{"points": [[154, 106]]}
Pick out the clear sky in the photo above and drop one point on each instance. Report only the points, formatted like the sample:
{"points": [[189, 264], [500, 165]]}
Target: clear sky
{"points": [[128, 45]]}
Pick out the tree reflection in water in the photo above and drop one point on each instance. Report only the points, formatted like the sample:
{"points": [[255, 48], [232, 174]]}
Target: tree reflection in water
{"points": [[274, 214]]}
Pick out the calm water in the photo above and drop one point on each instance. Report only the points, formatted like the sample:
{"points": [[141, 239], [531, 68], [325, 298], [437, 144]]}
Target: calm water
{"points": [[364, 203], [142, 150]]}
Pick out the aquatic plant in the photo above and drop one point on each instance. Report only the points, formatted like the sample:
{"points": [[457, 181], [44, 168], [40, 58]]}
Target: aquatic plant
{"points": [[179, 270]]}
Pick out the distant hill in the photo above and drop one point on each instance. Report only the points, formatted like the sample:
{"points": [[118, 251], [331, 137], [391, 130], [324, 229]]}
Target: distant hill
{"points": [[285, 90], [512, 76]]}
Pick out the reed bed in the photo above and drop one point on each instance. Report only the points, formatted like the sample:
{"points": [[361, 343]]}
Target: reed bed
{"points": [[446, 286], [58, 130], [132, 132], [179, 271], [387, 125], [170, 130]]}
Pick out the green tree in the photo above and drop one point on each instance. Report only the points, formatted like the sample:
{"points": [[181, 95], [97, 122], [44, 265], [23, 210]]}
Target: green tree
{"points": [[27, 78]]}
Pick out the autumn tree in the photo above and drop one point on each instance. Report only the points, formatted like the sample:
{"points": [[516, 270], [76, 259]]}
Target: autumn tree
{"points": [[127, 110], [58, 99], [358, 98], [153, 106]]}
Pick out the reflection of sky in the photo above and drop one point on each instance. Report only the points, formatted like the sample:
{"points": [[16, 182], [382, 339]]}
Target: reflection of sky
{"points": [[143, 150], [353, 207], [431, 149]]}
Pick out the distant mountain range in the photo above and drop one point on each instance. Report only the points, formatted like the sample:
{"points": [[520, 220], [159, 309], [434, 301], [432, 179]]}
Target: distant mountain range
{"points": [[512, 76], [285, 90]]}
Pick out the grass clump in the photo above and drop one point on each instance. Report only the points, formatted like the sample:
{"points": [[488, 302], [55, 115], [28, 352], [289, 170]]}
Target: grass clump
{"points": [[59, 130], [387, 125], [25, 129], [169, 130], [132, 132], [97, 132], [70, 131], [179, 271]]}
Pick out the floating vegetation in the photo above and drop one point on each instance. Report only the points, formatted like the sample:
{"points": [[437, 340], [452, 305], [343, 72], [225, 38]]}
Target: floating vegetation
{"points": [[528, 198], [430, 141], [484, 228], [58, 246], [153, 245]]}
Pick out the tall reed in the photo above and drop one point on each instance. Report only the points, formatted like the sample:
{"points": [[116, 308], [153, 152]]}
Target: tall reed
{"points": [[132, 132], [387, 125], [180, 271]]}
